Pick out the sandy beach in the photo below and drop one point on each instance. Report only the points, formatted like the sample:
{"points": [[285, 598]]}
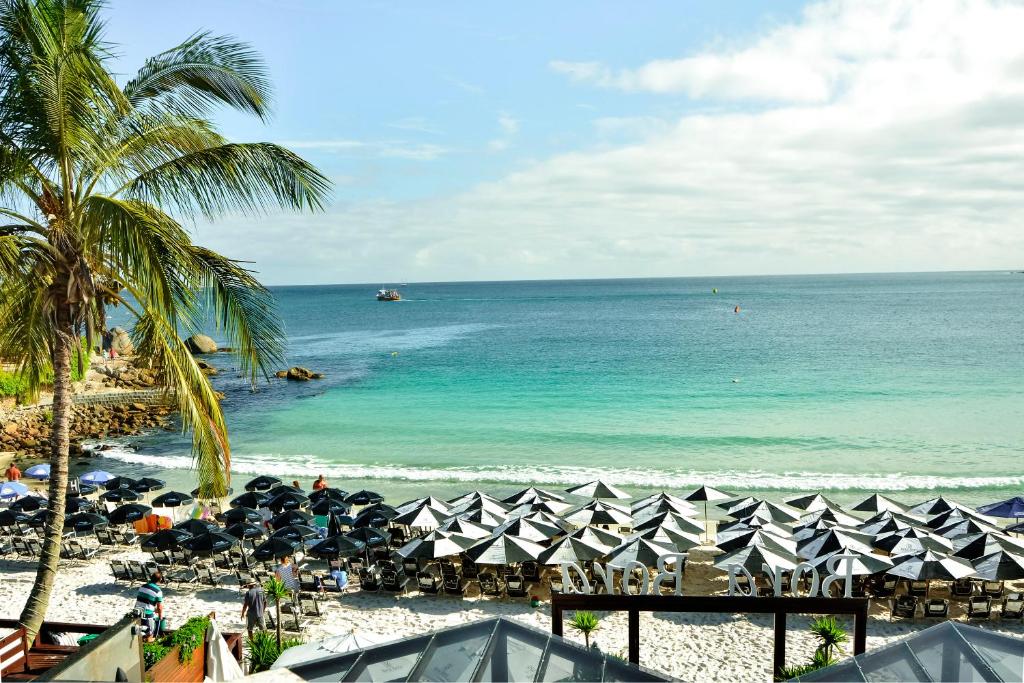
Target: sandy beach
{"points": [[697, 647]]}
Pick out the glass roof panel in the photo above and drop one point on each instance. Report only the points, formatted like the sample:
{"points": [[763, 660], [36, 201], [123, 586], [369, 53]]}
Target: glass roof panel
{"points": [[567, 663], [515, 654], [392, 662], [454, 655]]}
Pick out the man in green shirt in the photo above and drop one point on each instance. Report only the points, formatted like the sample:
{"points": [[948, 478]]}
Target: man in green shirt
{"points": [[150, 601]]}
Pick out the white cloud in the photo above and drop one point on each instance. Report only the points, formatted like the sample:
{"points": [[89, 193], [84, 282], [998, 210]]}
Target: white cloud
{"points": [[895, 142], [508, 123], [388, 149]]}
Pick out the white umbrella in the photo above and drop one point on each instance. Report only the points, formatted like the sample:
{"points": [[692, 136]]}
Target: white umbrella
{"points": [[597, 489], [346, 642], [221, 665], [599, 512]]}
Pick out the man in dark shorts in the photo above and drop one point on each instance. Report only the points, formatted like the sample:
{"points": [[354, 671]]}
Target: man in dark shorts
{"points": [[150, 601], [254, 607]]}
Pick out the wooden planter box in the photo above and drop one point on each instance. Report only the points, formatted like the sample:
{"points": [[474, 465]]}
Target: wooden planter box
{"points": [[169, 669]]}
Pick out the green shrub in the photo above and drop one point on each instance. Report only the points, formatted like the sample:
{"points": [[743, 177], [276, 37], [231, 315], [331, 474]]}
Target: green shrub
{"points": [[15, 384], [189, 636], [262, 651], [586, 623], [154, 652]]}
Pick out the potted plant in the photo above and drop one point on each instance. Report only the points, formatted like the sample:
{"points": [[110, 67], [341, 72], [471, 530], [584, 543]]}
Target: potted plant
{"points": [[534, 601], [586, 623]]}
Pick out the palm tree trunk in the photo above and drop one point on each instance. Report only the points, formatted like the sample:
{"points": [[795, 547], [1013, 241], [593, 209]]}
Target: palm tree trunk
{"points": [[277, 610], [60, 443]]}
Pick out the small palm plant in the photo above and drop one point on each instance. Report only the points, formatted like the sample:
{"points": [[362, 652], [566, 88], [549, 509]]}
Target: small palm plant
{"points": [[831, 637], [277, 590], [586, 623]]}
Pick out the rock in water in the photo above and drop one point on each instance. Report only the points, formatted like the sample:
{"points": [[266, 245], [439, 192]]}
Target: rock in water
{"points": [[200, 343], [121, 342], [302, 374]]}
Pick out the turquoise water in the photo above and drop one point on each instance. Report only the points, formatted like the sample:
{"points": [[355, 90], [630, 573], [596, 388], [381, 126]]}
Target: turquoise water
{"points": [[847, 383]]}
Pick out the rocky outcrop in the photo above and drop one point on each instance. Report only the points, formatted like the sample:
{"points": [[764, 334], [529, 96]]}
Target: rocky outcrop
{"points": [[121, 342], [121, 376], [27, 432], [200, 343], [206, 368], [299, 374]]}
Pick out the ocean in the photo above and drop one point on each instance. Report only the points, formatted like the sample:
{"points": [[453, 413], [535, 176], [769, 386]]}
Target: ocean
{"points": [[910, 384]]}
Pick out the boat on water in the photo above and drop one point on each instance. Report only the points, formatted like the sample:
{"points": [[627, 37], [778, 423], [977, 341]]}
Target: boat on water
{"points": [[388, 295]]}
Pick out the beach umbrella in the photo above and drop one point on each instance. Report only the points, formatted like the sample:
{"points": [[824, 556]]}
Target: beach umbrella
{"points": [[251, 500], [538, 532], [658, 507], [736, 503], [479, 503], [335, 526], [957, 515], [262, 483], [752, 557], [328, 494], [364, 497], [195, 492], [809, 530], [532, 495], [287, 500], [284, 488], [504, 549], [1011, 507], [435, 545], [929, 566], [597, 536], [376, 515], [171, 499], [38, 519], [1000, 566], [244, 531], [84, 522], [767, 511], [165, 539], [727, 542], [296, 532], [670, 519], [462, 527], [812, 503], [552, 507], [863, 564], [834, 540], [1015, 528], [883, 527], [210, 543], [86, 489], [934, 506], [570, 549], [336, 546], [422, 517], [195, 527], [666, 536], [831, 516], [550, 520], [426, 501], [879, 503], [963, 528], [147, 484], [371, 538], [638, 549], [29, 504], [96, 477], [274, 549], [973, 546], [747, 523], [659, 497], [10, 518], [74, 504], [705, 495], [12, 489], [291, 517], [597, 489], [127, 514], [242, 514], [470, 497], [483, 517], [40, 472], [911, 542], [599, 512], [118, 483], [326, 506], [124, 495]]}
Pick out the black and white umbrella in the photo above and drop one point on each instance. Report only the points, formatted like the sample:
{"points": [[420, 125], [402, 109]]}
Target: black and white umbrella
{"points": [[296, 532], [597, 489], [290, 517], [364, 497], [681, 508], [538, 532], [974, 546], [196, 526], [571, 549], [287, 500], [963, 528], [147, 484], [767, 511], [669, 519], [639, 549], [879, 503], [244, 531], [127, 514], [377, 516], [930, 566], [504, 549], [242, 514], [435, 545], [123, 495], [336, 546], [812, 503], [462, 527], [600, 512], [833, 540], [1000, 566], [911, 542], [329, 494], [171, 499], [165, 539], [371, 538], [250, 499], [482, 517], [83, 522], [729, 542], [834, 517], [262, 483], [326, 506], [862, 564], [752, 557], [934, 506], [598, 536], [670, 537], [532, 495], [274, 549], [422, 517]]}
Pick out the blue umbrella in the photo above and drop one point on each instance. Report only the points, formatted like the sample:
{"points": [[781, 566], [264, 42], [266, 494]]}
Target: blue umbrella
{"points": [[40, 472], [1012, 507], [96, 477], [12, 489]]}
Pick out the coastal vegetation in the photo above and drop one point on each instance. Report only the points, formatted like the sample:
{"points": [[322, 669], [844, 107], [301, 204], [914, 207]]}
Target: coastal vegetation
{"points": [[96, 178], [262, 650], [18, 385], [585, 623], [830, 636]]}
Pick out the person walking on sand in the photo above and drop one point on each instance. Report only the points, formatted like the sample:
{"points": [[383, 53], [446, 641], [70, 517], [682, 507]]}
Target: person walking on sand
{"points": [[150, 602], [288, 573], [320, 483], [254, 607], [12, 473]]}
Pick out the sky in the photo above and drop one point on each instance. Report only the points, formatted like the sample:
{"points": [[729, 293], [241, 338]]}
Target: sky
{"points": [[473, 140]]}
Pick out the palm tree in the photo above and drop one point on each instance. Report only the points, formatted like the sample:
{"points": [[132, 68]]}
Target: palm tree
{"points": [[91, 177], [277, 590], [586, 623], [831, 637]]}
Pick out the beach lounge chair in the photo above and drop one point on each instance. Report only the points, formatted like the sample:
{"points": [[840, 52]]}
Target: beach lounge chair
{"points": [[963, 588], [182, 557], [530, 572], [120, 571], [124, 537], [162, 558], [448, 567], [410, 566], [65, 551], [387, 565], [183, 576], [207, 577], [368, 580], [489, 584], [104, 537], [35, 548], [1013, 606], [979, 607], [136, 571], [936, 609], [555, 584], [393, 581], [20, 547], [381, 555], [307, 582], [453, 585], [80, 552], [355, 566], [427, 583], [309, 605], [904, 606], [296, 623], [886, 587], [515, 586], [992, 589], [918, 588], [245, 577], [397, 538], [224, 561], [469, 569]]}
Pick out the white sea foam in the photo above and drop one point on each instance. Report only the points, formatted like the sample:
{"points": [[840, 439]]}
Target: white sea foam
{"points": [[310, 466]]}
